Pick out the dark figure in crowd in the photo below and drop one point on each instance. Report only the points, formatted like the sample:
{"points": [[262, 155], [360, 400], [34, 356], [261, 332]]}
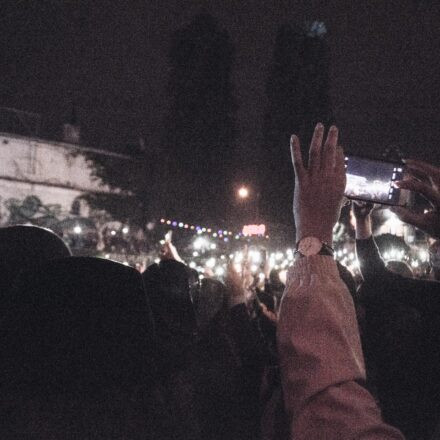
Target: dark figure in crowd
{"points": [[211, 354], [401, 336], [273, 290], [22, 247], [90, 349], [434, 260], [77, 341], [167, 287]]}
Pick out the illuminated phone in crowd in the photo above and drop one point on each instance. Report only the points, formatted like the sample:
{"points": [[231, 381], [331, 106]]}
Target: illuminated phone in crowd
{"points": [[168, 237], [373, 181]]}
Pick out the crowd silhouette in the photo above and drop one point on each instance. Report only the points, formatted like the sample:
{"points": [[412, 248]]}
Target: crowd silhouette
{"points": [[93, 349]]}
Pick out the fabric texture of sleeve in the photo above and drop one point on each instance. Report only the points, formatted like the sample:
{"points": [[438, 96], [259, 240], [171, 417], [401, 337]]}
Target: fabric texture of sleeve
{"points": [[321, 359]]}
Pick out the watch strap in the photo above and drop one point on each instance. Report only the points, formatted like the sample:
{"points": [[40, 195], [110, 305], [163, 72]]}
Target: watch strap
{"points": [[326, 250]]}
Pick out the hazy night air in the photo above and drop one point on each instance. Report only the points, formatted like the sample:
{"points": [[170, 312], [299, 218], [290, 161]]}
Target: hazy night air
{"points": [[111, 61]]}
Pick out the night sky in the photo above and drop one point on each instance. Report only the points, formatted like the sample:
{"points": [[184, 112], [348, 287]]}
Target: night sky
{"points": [[109, 57]]}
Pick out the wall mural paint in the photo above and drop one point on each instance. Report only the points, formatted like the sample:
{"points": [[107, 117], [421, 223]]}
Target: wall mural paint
{"points": [[96, 234], [79, 232], [31, 210]]}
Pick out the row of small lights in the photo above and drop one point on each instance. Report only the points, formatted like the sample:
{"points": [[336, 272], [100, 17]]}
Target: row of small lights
{"points": [[201, 229], [78, 230], [220, 233]]}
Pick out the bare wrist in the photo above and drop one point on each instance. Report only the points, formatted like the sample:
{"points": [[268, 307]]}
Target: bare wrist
{"points": [[363, 228]]}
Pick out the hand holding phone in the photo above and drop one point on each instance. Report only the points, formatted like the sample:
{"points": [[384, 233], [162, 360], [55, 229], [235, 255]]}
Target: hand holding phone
{"points": [[374, 181], [425, 180], [169, 251], [168, 236], [361, 210]]}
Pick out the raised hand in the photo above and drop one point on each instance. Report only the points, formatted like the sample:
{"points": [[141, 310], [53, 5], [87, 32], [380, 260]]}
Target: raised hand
{"points": [[235, 287], [361, 210], [169, 252], [424, 179], [319, 189]]}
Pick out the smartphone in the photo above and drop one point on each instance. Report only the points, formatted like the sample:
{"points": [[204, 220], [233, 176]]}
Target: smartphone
{"points": [[373, 181], [168, 237]]}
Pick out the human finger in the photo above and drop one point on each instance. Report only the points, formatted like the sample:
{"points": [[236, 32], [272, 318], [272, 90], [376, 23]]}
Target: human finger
{"points": [[315, 148], [422, 188], [295, 151], [329, 153], [340, 166], [340, 159], [423, 168]]}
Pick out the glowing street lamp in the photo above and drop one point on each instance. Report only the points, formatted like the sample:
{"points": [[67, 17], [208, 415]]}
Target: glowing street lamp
{"points": [[243, 192]]}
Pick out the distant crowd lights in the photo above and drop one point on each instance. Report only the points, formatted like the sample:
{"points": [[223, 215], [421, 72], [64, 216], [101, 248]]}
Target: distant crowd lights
{"points": [[206, 254], [281, 261]]}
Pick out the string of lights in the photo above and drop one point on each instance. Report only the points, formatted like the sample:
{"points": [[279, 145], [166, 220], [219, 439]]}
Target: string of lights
{"points": [[214, 232]]}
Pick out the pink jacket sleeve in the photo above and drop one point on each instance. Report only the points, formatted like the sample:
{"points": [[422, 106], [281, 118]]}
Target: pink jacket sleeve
{"points": [[321, 358]]}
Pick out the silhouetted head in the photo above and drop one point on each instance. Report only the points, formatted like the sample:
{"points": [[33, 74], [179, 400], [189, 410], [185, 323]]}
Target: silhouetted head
{"points": [[401, 268], [275, 281], [22, 247], [78, 352], [211, 299], [168, 288], [78, 323]]}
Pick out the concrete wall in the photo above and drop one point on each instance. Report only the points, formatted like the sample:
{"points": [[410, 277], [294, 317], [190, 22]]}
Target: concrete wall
{"points": [[57, 173]]}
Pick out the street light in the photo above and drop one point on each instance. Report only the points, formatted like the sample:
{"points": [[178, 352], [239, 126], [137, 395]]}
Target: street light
{"points": [[243, 192]]}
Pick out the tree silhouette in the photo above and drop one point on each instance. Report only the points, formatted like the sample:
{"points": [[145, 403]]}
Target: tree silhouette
{"points": [[133, 176]]}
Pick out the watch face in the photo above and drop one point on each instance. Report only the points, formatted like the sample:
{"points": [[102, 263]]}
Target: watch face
{"points": [[309, 246]]}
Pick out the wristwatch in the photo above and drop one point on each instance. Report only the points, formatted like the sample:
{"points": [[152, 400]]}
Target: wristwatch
{"points": [[308, 246]]}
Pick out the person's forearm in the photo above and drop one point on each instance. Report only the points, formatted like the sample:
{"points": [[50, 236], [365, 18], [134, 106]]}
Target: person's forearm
{"points": [[371, 265], [321, 358], [363, 228]]}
